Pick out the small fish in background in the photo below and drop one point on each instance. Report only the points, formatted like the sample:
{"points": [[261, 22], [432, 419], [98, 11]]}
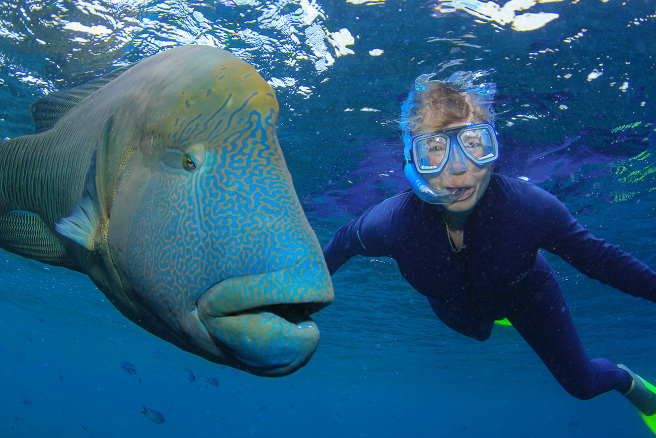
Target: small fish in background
{"points": [[212, 381], [152, 415], [189, 375], [128, 367], [27, 402]]}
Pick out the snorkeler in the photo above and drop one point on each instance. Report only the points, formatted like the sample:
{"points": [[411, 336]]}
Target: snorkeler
{"points": [[468, 240]]}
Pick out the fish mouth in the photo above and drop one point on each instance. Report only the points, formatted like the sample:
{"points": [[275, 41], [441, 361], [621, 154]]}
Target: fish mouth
{"points": [[262, 321]]}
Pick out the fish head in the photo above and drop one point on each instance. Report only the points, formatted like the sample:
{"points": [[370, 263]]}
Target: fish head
{"points": [[206, 231]]}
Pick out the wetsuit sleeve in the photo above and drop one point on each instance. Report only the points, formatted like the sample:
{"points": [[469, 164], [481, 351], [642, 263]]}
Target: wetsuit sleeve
{"points": [[373, 234], [592, 255]]}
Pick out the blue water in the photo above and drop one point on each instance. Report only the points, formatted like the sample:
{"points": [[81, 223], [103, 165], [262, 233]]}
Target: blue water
{"points": [[575, 83]]}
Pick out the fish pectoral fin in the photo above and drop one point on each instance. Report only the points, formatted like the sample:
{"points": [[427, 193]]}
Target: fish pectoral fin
{"points": [[81, 225], [27, 235], [90, 212]]}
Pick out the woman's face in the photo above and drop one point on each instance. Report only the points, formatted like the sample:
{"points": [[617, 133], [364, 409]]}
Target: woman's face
{"points": [[460, 173]]}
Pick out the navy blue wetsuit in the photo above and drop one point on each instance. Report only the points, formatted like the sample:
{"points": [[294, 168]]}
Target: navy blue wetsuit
{"points": [[499, 272]]}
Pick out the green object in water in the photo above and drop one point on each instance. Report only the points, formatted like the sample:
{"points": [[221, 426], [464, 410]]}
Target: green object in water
{"points": [[503, 321]]}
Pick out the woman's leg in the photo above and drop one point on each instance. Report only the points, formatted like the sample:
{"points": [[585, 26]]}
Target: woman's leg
{"points": [[542, 318]]}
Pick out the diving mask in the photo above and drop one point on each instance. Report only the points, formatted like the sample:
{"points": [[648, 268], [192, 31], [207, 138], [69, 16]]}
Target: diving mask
{"points": [[431, 152]]}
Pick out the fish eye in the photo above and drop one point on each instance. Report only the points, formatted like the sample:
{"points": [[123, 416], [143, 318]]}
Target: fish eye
{"points": [[188, 163], [194, 157]]}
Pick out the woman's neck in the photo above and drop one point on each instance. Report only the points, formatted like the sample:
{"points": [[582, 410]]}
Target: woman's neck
{"points": [[455, 220]]}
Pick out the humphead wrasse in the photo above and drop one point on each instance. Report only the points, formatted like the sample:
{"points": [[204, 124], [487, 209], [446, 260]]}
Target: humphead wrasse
{"points": [[164, 182]]}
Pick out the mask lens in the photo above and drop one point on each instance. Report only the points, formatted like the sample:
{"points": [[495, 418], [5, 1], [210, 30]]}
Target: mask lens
{"points": [[479, 143], [431, 152]]}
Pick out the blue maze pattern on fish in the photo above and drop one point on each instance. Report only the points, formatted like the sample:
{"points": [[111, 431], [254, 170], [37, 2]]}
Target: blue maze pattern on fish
{"points": [[242, 170]]}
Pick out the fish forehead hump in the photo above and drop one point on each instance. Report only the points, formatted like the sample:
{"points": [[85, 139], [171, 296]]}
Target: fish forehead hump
{"points": [[199, 94], [201, 77]]}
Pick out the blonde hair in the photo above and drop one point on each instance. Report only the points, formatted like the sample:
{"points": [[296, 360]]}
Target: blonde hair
{"points": [[438, 106]]}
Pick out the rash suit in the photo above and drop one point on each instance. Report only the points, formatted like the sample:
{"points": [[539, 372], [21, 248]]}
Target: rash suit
{"points": [[499, 272]]}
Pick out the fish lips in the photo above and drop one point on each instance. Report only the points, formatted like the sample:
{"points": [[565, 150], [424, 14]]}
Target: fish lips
{"points": [[262, 321]]}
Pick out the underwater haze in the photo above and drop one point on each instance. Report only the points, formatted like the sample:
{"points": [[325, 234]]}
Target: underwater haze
{"points": [[575, 115]]}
